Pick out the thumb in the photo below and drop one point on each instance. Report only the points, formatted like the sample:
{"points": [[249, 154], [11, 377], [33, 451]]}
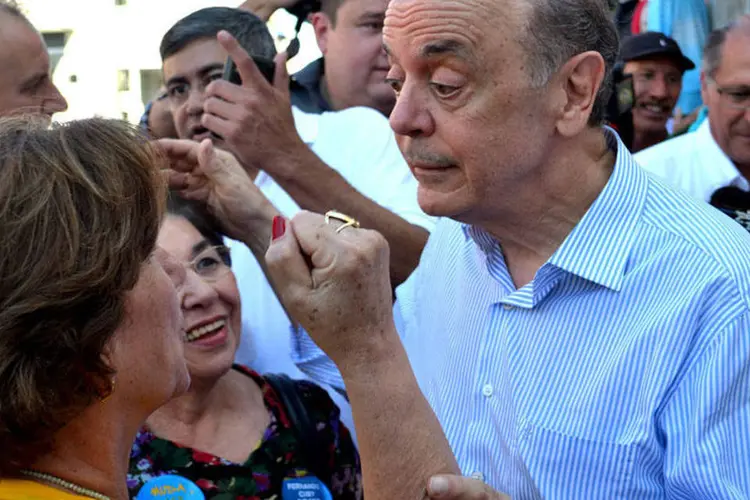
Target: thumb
{"points": [[677, 113], [453, 487], [286, 263], [207, 157]]}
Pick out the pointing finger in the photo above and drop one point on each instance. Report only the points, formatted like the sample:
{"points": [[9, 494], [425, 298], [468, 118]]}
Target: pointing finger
{"points": [[246, 67]]}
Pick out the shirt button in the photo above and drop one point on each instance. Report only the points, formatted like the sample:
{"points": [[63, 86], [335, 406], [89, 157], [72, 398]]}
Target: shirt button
{"points": [[478, 475], [487, 390], [507, 307]]}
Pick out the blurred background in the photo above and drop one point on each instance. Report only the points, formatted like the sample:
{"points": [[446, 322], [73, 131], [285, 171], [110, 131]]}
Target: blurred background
{"points": [[105, 53]]}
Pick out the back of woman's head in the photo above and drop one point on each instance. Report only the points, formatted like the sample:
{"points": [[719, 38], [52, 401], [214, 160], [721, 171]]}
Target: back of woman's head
{"points": [[80, 207]]}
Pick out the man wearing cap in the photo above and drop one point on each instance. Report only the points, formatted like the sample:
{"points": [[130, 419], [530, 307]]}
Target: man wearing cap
{"points": [[656, 64]]}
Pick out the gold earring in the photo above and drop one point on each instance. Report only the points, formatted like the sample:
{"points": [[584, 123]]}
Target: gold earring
{"points": [[111, 390]]}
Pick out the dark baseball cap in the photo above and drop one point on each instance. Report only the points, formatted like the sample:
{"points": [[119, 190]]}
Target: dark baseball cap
{"points": [[653, 44]]}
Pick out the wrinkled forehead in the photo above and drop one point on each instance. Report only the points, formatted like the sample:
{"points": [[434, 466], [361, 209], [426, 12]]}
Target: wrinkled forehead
{"points": [[22, 48], [465, 28], [735, 58], [17, 33]]}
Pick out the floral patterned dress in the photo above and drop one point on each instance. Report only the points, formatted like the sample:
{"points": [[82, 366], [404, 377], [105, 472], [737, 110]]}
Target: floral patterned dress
{"points": [[278, 457]]}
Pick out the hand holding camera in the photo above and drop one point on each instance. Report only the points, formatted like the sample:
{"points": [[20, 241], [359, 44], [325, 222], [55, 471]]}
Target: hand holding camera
{"points": [[252, 116]]}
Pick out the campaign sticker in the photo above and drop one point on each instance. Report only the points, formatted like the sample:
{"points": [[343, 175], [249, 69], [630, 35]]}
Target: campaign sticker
{"points": [[170, 487], [304, 488]]}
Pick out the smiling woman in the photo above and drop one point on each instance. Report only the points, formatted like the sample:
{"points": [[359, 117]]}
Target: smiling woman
{"points": [[232, 433]]}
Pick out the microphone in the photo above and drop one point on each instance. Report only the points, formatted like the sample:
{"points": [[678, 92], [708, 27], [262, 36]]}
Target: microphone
{"points": [[735, 203]]}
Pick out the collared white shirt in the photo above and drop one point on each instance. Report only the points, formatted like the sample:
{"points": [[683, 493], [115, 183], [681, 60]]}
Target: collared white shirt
{"points": [[359, 144], [693, 162]]}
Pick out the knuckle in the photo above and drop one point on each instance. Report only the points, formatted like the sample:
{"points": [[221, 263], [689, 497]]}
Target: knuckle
{"points": [[234, 131], [214, 87]]}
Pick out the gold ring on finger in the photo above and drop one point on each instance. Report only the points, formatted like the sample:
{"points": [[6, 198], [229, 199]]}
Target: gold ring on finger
{"points": [[347, 220]]}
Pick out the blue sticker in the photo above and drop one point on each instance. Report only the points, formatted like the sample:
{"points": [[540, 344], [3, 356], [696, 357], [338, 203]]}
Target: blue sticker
{"points": [[304, 488], [170, 487]]}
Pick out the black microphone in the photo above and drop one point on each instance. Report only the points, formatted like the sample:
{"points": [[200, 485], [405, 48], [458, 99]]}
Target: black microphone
{"points": [[735, 203]]}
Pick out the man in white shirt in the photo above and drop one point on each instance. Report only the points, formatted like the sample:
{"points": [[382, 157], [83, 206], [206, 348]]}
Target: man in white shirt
{"points": [[717, 154], [346, 160]]}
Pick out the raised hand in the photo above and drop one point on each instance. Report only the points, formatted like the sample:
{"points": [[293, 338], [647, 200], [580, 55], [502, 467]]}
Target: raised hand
{"points": [[201, 172], [254, 119], [336, 284]]}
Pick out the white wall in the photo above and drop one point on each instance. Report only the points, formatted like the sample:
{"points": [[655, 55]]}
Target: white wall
{"points": [[106, 38]]}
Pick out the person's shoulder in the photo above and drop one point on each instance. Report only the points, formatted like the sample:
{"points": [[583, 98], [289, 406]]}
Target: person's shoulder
{"points": [[691, 227], [360, 136], [671, 150], [357, 120]]}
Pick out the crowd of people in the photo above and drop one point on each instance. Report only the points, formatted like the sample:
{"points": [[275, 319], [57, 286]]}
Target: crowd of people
{"points": [[433, 264]]}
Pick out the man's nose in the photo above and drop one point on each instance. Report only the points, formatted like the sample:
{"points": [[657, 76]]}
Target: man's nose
{"points": [[195, 100], [658, 87], [409, 116], [54, 102]]}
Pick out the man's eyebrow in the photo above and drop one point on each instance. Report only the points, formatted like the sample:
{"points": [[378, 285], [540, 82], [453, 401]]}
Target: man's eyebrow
{"points": [[445, 47], [440, 48], [372, 16]]}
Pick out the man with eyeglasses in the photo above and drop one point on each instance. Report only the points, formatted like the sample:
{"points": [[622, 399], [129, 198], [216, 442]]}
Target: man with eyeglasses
{"points": [[656, 64], [717, 154]]}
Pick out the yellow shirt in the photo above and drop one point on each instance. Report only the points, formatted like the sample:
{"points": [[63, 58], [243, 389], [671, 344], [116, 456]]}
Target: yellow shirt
{"points": [[18, 489]]}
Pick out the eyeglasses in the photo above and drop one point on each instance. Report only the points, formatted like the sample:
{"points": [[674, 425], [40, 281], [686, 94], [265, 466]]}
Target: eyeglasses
{"points": [[737, 97], [211, 264]]}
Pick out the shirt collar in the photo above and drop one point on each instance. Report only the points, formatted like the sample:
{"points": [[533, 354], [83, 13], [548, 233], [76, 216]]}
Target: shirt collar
{"points": [[599, 246], [712, 155]]}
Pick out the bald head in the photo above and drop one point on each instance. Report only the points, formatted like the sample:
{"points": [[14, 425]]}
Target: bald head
{"points": [[717, 38], [11, 8]]}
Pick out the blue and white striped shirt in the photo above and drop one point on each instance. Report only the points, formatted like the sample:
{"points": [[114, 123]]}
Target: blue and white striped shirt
{"points": [[621, 371]]}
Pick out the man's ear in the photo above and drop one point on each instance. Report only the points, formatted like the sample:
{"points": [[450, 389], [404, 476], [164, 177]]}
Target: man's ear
{"points": [[322, 26], [580, 80]]}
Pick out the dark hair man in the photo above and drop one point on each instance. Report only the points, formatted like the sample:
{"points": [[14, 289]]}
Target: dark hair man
{"points": [[353, 67], [348, 160]]}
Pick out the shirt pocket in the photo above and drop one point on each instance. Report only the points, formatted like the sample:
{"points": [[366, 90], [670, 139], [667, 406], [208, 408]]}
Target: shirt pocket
{"points": [[564, 466]]}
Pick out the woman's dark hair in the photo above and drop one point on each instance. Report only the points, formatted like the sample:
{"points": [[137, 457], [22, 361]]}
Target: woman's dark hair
{"points": [[80, 209], [195, 214]]}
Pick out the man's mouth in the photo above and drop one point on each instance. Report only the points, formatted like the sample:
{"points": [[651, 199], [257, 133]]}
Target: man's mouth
{"points": [[656, 109], [199, 133]]}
